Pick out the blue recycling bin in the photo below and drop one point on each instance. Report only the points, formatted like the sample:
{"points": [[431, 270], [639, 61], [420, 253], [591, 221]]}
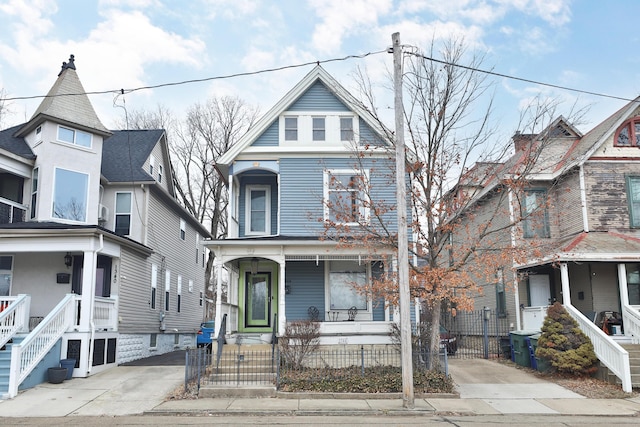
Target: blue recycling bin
{"points": [[70, 364]]}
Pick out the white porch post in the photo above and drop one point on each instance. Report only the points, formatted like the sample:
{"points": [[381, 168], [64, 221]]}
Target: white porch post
{"points": [[282, 318], [564, 278], [516, 292], [88, 290], [624, 291], [217, 266]]}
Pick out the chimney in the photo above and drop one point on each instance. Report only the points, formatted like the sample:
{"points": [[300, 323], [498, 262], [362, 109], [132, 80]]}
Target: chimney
{"points": [[522, 141]]}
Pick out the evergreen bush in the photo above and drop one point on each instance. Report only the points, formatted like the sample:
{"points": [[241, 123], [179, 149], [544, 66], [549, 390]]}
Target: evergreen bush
{"points": [[564, 346]]}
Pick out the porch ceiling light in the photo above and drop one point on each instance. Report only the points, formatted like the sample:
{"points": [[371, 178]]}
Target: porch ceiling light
{"points": [[68, 260], [254, 265]]}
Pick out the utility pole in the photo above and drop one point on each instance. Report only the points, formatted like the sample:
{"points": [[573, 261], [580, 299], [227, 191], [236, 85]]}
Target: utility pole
{"points": [[403, 240]]}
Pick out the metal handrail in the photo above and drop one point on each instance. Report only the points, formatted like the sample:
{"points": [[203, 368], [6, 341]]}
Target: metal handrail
{"points": [[221, 333], [274, 337]]}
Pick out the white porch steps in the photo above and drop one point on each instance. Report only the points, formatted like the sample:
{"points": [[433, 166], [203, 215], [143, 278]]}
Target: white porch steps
{"points": [[634, 363], [244, 371]]}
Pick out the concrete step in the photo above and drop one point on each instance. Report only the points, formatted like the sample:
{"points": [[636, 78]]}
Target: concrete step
{"points": [[231, 390], [224, 369], [245, 347]]}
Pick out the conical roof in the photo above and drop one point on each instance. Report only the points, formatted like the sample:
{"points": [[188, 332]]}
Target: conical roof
{"points": [[67, 102]]}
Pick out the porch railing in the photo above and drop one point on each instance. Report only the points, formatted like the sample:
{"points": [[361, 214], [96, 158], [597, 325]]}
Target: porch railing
{"points": [[26, 355], [608, 351], [231, 310], [105, 315], [11, 212], [14, 316], [631, 321]]}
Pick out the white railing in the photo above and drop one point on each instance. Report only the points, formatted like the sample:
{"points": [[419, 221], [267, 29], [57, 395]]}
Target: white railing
{"points": [[231, 311], [608, 351], [631, 322], [26, 355], [11, 211], [14, 316], [105, 314]]}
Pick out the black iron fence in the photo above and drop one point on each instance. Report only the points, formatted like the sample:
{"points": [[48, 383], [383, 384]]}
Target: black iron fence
{"points": [[197, 365], [478, 334]]}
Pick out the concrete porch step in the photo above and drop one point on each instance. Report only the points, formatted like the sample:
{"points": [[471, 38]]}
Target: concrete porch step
{"points": [[231, 390]]}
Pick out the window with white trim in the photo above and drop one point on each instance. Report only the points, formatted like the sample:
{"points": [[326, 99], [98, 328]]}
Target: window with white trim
{"points": [[159, 173], [123, 213], [345, 196], [167, 289], [346, 128], [346, 283], [183, 229], [152, 163], [6, 273], [290, 128], [258, 209], [73, 136], [154, 286], [34, 192], [319, 131], [70, 194], [179, 294], [535, 214], [633, 197]]}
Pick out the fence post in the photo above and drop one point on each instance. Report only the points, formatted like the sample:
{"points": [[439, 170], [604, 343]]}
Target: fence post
{"points": [[186, 369], [362, 358], [485, 324]]}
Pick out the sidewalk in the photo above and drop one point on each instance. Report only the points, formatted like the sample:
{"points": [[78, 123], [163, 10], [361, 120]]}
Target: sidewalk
{"points": [[484, 387]]}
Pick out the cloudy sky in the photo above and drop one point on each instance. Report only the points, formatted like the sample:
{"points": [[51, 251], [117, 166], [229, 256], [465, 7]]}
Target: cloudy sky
{"points": [[587, 44]]}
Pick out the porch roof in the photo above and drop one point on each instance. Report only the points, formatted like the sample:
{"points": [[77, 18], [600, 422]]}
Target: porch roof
{"points": [[604, 246]]}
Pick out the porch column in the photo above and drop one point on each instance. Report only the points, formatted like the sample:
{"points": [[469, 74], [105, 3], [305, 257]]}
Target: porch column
{"points": [[217, 267], [516, 293], [282, 318], [88, 290], [624, 291], [564, 278]]}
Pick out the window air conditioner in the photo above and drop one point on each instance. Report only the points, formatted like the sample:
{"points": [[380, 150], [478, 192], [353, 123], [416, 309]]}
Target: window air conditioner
{"points": [[103, 213]]}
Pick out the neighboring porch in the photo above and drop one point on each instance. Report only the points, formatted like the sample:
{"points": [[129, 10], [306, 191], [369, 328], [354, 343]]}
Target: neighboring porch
{"points": [[604, 299], [264, 291]]}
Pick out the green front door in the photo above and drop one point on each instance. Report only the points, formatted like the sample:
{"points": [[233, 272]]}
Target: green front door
{"points": [[258, 299]]}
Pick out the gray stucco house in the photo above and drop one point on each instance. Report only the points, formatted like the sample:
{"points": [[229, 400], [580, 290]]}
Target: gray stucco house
{"points": [[98, 261]]}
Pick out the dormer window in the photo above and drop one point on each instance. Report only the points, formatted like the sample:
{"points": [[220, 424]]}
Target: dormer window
{"points": [[72, 136], [629, 134], [346, 128]]}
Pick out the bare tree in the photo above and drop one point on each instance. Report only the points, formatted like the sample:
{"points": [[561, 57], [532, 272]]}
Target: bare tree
{"points": [[207, 132], [462, 183]]}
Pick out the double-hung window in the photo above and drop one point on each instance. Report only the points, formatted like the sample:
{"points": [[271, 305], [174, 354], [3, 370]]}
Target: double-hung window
{"points": [[154, 286], [70, 195], [345, 196], [633, 196], [535, 214], [258, 209], [290, 128], [123, 214], [160, 173], [6, 272], [179, 294], [318, 128], [73, 136], [183, 229], [346, 128], [167, 289], [34, 192]]}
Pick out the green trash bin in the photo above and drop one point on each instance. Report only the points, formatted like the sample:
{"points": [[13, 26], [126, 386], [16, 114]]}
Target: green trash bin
{"points": [[520, 347], [541, 364]]}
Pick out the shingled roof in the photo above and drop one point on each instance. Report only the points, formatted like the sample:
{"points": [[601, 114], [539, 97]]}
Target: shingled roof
{"points": [[125, 152], [15, 145]]}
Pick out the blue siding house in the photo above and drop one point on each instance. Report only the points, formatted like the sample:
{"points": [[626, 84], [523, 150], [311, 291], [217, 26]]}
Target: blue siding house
{"points": [[277, 260]]}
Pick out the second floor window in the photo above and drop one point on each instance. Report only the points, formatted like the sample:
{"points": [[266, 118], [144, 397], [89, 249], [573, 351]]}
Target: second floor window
{"points": [[183, 229], [159, 173], [318, 128], [633, 195], [258, 210], [345, 197], [290, 128], [123, 214], [346, 128], [73, 136], [34, 192], [535, 214], [70, 195]]}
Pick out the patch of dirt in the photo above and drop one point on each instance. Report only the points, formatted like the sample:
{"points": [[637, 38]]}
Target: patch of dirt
{"points": [[589, 387]]}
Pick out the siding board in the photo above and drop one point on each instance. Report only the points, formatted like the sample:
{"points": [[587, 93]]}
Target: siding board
{"points": [[318, 98]]}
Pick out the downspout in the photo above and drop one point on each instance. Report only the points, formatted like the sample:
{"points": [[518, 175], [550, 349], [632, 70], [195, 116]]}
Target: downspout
{"points": [[92, 325], [516, 291], [583, 201]]}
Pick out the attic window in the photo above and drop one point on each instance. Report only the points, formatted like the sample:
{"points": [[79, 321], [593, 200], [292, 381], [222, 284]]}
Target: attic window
{"points": [[73, 136], [628, 135], [290, 128]]}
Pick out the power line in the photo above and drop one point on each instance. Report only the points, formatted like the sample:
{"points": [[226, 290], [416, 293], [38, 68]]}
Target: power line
{"points": [[206, 79], [506, 76]]}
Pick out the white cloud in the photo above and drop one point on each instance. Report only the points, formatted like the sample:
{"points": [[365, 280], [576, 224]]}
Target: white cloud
{"points": [[340, 19]]}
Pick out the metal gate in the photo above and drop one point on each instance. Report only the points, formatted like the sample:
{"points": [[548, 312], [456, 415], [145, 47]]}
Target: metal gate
{"points": [[476, 337]]}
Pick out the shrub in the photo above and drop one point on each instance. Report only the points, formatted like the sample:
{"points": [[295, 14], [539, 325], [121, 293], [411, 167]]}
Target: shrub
{"points": [[564, 345], [300, 338]]}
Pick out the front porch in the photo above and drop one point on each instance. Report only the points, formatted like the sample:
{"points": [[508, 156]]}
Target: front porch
{"points": [[602, 297]]}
